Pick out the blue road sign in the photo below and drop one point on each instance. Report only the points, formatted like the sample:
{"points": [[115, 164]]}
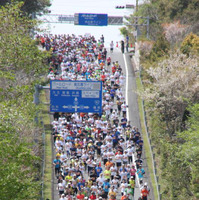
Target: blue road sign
{"points": [[90, 19], [75, 96]]}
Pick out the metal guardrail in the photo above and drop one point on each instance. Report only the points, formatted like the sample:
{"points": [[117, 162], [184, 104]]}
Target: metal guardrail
{"points": [[36, 101], [151, 149], [43, 160]]}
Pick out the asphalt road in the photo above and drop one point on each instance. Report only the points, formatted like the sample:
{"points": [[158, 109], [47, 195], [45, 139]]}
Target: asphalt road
{"points": [[133, 112], [130, 95]]}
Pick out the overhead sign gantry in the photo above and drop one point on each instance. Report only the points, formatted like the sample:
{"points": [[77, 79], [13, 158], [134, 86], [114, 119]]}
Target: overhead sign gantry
{"points": [[91, 19]]}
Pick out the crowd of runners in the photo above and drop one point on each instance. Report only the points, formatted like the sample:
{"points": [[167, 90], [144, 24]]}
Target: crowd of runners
{"points": [[98, 156]]}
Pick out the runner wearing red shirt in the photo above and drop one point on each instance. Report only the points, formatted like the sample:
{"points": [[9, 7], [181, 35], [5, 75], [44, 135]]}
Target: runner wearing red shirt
{"points": [[144, 193], [93, 196], [80, 195], [103, 77]]}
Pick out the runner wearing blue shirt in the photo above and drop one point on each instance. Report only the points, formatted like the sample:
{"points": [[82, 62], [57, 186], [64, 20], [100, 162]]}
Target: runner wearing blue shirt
{"points": [[79, 184], [57, 164], [98, 170], [106, 186]]}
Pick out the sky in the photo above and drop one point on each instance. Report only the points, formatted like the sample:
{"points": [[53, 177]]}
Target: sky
{"points": [[70, 7], [90, 6]]}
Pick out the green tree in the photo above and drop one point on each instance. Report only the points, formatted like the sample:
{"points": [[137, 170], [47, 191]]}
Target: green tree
{"points": [[190, 148], [174, 84], [190, 44], [16, 43], [21, 61], [17, 168], [22, 65], [30, 7], [124, 31], [160, 48]]}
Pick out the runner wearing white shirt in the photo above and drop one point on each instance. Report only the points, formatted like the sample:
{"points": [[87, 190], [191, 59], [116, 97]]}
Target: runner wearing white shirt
{"points": [[125, 157], [79, 152], [111, 103], [110, 154], [115, 182], [123, 186], [124, 106], [104, 102], [68, 145], [100, 180], [98, 123], [105, 157], [107, 109], [122, 144], [121, 79], [107, 96], [108, 138], [118, 160], [113, 171], [60, 187], [109, 145], [63, 156], [90, 163], [103, 148], [117, 74], [112, 79], [58, 144], [123, 175], [55, 122], [91, 120], [84, 158], [104, 129], [130, 152], [94, 187]]}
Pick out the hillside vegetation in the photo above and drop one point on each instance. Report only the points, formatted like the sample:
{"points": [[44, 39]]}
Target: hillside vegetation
{"points": [[170, 73], [21, 67]]}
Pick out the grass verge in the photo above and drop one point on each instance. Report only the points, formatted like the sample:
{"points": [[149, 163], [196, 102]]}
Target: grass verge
{"points": [[144, 135], [48, 147]]}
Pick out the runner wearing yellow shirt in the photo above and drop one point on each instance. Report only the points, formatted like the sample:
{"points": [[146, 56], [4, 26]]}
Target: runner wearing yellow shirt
{"points": [[68, 177], [107, 173], [112, 193]]}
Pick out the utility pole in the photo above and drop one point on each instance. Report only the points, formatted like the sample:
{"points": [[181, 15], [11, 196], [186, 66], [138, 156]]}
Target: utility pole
{"points": [[136, 21], [136, 8], [147, 31]]}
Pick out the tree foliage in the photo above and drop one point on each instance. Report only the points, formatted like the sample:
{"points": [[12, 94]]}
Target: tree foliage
{"points": [[29, 7], [172, 91], [21, 66], [174, 32], [174, 85], [190, 44], [179, 161], [170, 76], [167, 12], [160, 48], [16, 44], [124, 31]]}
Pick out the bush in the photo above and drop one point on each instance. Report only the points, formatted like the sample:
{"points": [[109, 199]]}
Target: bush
{"points": [[190, 44]]}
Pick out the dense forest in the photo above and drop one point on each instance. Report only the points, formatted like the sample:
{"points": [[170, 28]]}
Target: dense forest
{"points": [[170, 73], [21, 67]]}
